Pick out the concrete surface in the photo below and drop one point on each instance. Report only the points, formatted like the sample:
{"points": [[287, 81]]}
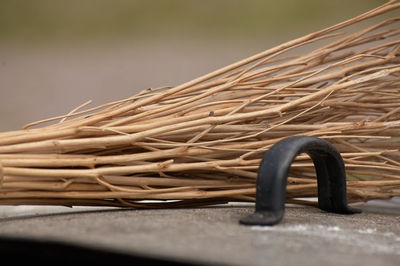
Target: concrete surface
{"points": [[306, 236]]}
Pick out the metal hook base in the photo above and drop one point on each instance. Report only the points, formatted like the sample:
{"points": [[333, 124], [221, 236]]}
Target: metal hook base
{"points": [[274, 169]]}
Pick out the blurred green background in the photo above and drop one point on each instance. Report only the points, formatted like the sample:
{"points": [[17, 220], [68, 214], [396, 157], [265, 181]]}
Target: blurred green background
{"points": [[49, 20], [55, 55]]}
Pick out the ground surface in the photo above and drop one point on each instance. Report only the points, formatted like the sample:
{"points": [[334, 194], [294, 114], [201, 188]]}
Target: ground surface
{"points": [[306, 236]]}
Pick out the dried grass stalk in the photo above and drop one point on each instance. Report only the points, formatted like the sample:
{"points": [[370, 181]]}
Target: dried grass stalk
{"points": [[201, 142]]}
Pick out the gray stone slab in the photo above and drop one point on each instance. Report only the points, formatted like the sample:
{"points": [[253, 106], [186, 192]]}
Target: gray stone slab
{"points": [[306, 236]]}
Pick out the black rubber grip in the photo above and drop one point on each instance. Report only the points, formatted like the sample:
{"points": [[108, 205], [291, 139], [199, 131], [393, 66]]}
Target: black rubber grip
{"points": [[274, 169]]}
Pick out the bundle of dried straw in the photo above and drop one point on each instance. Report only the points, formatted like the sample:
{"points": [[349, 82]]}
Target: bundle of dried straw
{"points": [[202, 142]]}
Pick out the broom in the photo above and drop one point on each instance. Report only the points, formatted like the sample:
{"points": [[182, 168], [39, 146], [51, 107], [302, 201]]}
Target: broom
{"points": [[202, 142]]}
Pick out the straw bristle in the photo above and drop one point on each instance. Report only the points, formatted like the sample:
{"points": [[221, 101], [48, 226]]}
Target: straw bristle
{"points": [[202, 142]]}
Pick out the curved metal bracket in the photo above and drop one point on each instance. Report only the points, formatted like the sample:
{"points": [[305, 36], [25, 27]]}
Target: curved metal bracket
{"points": [[274, 169]]}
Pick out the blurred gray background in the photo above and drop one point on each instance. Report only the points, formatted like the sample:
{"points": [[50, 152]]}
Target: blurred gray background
{"points": [[56, 55]]}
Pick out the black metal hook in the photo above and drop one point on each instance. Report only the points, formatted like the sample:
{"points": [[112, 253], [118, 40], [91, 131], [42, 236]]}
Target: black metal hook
{"points": [[274, 169]]}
